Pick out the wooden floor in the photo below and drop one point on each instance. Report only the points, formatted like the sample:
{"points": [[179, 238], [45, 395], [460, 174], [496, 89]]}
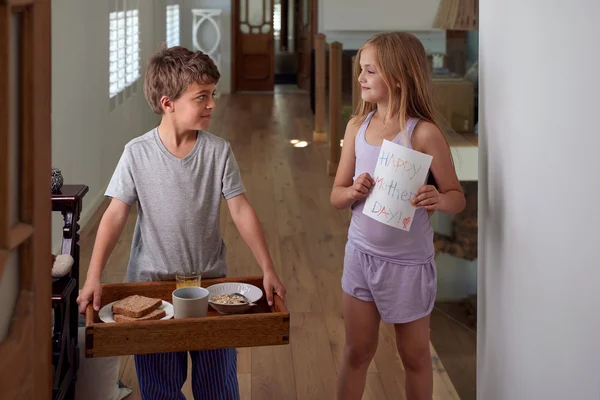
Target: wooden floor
{"points": [[289, 189]]}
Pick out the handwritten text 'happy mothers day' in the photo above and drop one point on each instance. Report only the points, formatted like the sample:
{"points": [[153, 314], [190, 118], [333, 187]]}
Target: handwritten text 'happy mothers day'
{"points": [[399, 173]]}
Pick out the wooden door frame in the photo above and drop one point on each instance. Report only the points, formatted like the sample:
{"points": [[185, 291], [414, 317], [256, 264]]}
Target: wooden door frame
{"points": [[25, 354], [233, 5], [313, 22]]}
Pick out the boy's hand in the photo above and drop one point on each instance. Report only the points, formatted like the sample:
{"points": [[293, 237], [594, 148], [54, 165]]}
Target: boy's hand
{"points": [[272, 284], [91, 291]]}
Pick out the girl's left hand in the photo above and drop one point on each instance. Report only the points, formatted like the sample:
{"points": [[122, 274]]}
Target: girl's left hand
{"points": [[427, 197]]}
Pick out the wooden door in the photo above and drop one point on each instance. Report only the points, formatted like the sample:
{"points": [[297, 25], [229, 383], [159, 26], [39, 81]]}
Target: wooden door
{"points": [[25, 252], [252, 30]]}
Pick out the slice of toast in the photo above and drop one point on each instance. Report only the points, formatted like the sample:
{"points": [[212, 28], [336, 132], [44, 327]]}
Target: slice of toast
{"points": [[136, 306], [156, 314]]}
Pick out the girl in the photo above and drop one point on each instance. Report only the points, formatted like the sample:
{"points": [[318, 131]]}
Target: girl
{"points": [[389, 273]]}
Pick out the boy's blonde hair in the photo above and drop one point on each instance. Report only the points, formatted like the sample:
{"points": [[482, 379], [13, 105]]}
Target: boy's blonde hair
{"points": [[172, 70], [402, 62]]}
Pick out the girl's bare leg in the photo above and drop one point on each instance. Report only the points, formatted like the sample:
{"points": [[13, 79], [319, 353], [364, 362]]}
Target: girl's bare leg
{"points": [[361, 320], [412, 340]]}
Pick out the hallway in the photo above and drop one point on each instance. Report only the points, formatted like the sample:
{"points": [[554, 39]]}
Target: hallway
{"points": [[289, 189]]}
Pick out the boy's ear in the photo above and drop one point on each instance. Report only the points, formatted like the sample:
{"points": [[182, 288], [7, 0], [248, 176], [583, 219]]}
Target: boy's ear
{"points": [[167, 105]]}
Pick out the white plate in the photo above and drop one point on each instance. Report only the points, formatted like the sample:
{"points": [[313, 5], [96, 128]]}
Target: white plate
{"points": [[106, 314]]}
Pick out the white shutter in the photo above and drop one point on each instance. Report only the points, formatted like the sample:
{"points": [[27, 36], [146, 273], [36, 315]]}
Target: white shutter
{"points": [[173, 25], [124, 48]]}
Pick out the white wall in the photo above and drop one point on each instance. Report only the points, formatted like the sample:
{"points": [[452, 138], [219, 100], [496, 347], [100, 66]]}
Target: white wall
{"points": [[87, 136], [357, 15], [539, 324], [226, 45], [353, 25], [434, 41]]}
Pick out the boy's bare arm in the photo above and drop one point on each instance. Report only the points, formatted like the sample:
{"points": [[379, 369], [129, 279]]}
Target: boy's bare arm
{"points": [[247, 223], [110, 229]]}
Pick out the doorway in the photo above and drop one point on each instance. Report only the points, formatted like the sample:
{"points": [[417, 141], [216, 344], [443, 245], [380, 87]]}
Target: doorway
{"points": [[272, 43], [286, 60]]}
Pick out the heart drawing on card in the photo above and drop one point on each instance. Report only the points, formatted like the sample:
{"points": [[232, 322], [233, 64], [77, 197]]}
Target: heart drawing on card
{"points": [[406, 221]]}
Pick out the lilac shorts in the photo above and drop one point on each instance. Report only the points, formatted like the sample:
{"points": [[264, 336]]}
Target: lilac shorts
{"points": [[402, 293]]}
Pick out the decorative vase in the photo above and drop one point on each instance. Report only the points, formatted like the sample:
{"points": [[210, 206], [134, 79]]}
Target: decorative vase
{"points": [[56, 181]]}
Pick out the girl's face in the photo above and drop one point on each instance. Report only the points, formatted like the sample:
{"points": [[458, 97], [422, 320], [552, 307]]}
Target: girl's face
{"points": [[373, 87]]}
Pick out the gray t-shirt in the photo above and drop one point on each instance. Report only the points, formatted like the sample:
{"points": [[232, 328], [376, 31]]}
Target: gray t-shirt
{"points": [[178, 205]]}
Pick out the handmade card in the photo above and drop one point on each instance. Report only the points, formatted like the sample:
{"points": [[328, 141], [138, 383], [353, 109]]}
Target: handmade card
{"points": [[399, 173]]}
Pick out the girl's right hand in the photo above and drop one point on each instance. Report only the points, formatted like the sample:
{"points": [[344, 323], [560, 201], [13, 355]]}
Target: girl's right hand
{"points": [[361, 187], [91, 292]]}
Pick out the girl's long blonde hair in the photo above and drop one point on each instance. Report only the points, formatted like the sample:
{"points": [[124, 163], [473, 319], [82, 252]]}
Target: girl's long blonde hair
{"points": [[402, 62]]}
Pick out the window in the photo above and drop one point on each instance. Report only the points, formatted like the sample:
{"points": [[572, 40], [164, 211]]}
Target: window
{"points": [[173, 25], [277, 19], [124, 48]]}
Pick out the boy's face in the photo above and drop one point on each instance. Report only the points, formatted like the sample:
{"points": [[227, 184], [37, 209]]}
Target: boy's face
{"points": [[193, 109]]}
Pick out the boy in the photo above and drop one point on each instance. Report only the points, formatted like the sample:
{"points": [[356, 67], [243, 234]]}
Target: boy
{"points": [[177, 173]]}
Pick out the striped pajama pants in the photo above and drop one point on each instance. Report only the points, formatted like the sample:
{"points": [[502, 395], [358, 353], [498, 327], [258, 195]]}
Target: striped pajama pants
{"points": [[214, 375]]}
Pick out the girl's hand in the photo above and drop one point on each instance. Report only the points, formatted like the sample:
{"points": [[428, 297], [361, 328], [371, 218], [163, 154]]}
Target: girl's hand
{"points": [[360, 189], [427, 197]]}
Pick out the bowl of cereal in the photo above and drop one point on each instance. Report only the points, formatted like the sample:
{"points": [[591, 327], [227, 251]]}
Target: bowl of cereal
{"points": [[233, 297]]}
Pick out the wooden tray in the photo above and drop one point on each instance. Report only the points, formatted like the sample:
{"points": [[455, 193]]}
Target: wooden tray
{"points": [[263, 325]]}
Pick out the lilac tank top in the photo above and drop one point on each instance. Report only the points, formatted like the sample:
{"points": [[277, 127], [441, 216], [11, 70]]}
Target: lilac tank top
{"points": [[373, 237]]}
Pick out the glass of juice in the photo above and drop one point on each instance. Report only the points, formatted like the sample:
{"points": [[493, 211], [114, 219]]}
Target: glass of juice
{"points": [[187, 278]]}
